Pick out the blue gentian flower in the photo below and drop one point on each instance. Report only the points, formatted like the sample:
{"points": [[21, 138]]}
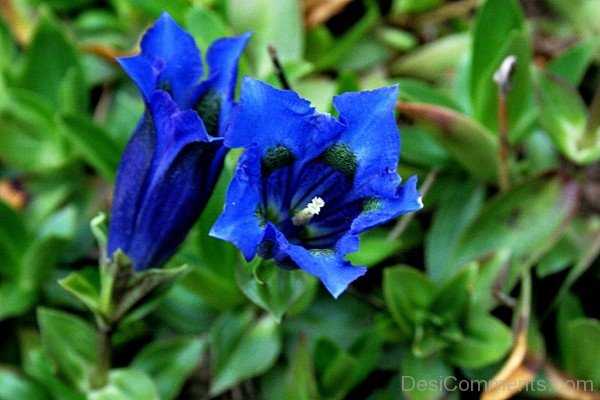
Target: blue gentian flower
{"points": [[172, 161], [308, 184]]}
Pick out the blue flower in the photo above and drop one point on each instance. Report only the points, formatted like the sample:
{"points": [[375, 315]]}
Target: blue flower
{"points": [[174, 157], [308, 184]]}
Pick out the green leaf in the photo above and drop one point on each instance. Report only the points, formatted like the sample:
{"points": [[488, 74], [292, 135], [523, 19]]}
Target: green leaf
{"points": [[93, 144], [48, 59], [487, 340], [582, 359], [170, 363], [570, 309], [473, 146], [64, 5], [485, 104], [13, 386], [452, 299], [420, 148], [489, 273], [407, 292], [300, 381], [242, 348], [14, 239], [177, 8], [374, 248], [271, 287], [15, 299], [7, 43], [126, 384], [29, 136], [343, 46], [416, 91], [413, 6], [83, 289], [277, 22], [49, 247], [528, 220], [206, 26], [564, 116], [573, 62], [433, 60], [495, 25], [38, 365], [339, 371], [71, 343], [418, 374], [459, 203]]}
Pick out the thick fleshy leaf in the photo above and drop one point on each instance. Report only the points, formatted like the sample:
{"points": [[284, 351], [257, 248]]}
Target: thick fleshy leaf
{"points": [[473, 146], [242, 348], [527, 220], [169, 60]]}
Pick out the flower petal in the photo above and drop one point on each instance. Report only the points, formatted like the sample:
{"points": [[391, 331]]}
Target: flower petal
{"points": [[241, 221], [271, 117], [129, 187], [169, 60], [171, 206], [406, 199], [327, 265], [373, 137]]}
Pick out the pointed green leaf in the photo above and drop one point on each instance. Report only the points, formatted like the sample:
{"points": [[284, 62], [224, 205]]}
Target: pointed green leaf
{"points": [[93, 144], [487, 340], [573, 62], [126, 384], [48, 58], [271, 287], [170, 363], [71, 343], [527, 220], [407, 292], [473, 146], [242, 348], [417, 374]]}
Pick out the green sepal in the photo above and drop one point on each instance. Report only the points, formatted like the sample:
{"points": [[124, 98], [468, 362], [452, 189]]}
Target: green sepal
{"points": [[270, 287], [121, 288]]}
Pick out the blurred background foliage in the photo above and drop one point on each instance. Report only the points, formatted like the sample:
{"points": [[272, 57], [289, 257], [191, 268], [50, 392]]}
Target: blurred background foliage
{"points": [[489, 281]]}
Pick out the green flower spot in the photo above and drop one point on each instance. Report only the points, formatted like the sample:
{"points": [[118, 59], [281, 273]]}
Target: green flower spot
{"points": [[341, 158], [276, 157], [371, 204], [260, 216], [165, 86], [322, 252], [209, 110]]}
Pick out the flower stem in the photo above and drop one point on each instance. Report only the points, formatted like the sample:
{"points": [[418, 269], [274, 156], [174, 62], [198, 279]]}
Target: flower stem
{"points": [[502, 78], [278, 69], [104, 362]]}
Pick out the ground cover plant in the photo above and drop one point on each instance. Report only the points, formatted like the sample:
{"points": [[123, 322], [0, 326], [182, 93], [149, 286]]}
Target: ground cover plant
{"points": [[297, 199]]}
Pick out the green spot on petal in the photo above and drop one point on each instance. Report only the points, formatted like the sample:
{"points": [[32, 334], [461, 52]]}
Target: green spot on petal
{"points": [[276, 157], [341, 158], [209, 110]]}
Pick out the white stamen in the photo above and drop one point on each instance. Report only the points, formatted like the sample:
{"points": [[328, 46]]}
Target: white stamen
{"points": [[312, 208], [420, 201]]}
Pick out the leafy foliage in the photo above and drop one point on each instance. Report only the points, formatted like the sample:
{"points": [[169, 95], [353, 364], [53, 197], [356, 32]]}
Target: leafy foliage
{"points": [[446, 299]]}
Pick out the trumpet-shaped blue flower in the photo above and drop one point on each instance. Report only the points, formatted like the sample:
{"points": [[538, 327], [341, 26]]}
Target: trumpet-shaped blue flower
{"points": [[172, 161], [308, 184]]}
